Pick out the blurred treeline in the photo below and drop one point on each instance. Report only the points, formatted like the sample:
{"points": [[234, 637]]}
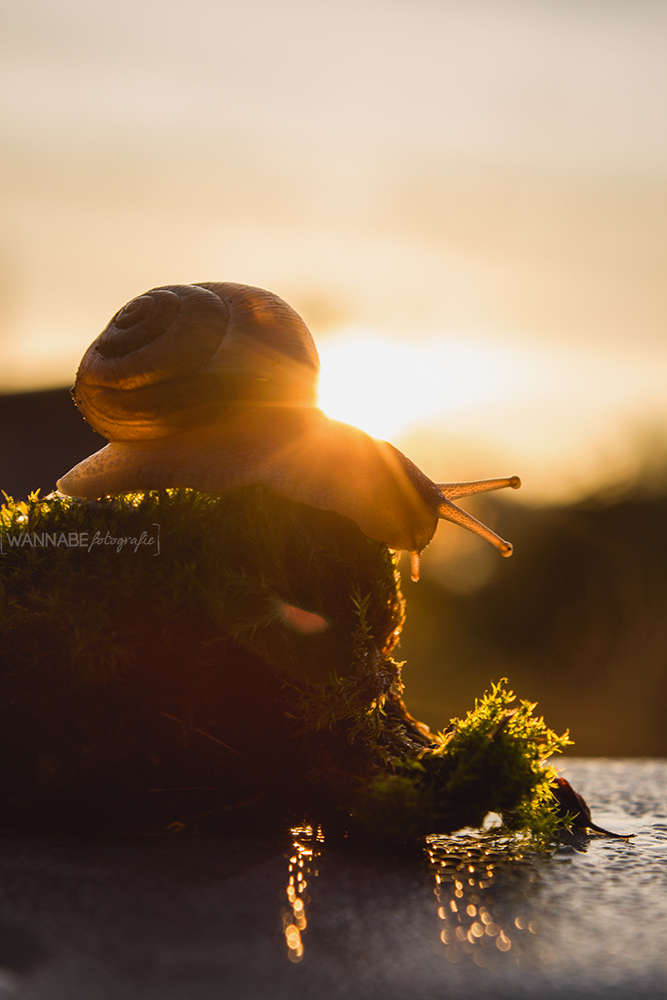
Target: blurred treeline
{"points": [[576, 619]]}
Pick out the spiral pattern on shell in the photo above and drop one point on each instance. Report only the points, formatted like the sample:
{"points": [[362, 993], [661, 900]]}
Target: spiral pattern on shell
{"points": [[180, 356]]}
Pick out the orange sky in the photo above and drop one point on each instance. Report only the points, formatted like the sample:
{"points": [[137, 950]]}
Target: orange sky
{"points": [[474, 189]]}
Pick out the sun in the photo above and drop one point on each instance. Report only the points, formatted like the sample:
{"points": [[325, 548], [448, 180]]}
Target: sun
{"points": [[388, 386], [374, 382]]}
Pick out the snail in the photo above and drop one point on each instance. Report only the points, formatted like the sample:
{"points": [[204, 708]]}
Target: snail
{"points": [[214, 386]]}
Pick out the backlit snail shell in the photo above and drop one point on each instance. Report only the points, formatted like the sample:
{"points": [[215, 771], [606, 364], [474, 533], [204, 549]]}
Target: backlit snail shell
{"points": [[214, 386]]}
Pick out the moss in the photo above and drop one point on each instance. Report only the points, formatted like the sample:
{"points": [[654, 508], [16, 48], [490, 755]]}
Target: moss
{"points": [[228, 565], [491, 761], [230, 663]]}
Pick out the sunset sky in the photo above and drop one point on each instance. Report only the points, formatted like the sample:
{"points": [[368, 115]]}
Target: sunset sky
{"points": [[465, 199]]}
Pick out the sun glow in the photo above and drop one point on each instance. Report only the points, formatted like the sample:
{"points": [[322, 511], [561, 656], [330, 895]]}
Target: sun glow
{"points": [[387, 386], [566, 417]]}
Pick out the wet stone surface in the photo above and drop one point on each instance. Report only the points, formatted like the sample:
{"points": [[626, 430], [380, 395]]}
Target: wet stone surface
{"points": [[254, 918]]}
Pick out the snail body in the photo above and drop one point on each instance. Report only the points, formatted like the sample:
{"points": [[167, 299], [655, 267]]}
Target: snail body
{"points": [[213, 387]]}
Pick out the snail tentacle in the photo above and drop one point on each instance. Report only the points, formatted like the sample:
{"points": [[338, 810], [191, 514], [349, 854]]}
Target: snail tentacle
{"points": [[452, 491], [448, 511]]}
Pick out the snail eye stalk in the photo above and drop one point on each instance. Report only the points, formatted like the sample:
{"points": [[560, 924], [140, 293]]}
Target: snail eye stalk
{"points": [[449, 511], [452, 491]]}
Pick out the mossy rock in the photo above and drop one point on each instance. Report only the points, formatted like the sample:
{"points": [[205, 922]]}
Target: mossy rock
{"points": [[229, 664]]}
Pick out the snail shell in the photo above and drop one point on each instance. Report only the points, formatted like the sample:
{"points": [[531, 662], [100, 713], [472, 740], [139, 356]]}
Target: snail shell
{"points": [[213, 387], [181, 356]]}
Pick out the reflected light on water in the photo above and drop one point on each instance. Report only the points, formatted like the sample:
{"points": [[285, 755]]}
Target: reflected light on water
{"points": [[306, 847], [466, 867]]}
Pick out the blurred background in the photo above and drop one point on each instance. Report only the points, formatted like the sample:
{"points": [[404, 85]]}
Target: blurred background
{"points": [[466, 201]]}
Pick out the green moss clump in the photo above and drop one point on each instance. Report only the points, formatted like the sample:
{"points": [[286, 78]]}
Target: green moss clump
{"points": [[494, 760], [230, 566], [229, 663]]}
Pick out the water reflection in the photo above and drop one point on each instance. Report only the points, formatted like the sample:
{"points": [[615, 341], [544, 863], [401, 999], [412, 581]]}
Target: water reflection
{"points": [[488, 912], [484, 883], [306, 848], [182, 917], [486, 887]]}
